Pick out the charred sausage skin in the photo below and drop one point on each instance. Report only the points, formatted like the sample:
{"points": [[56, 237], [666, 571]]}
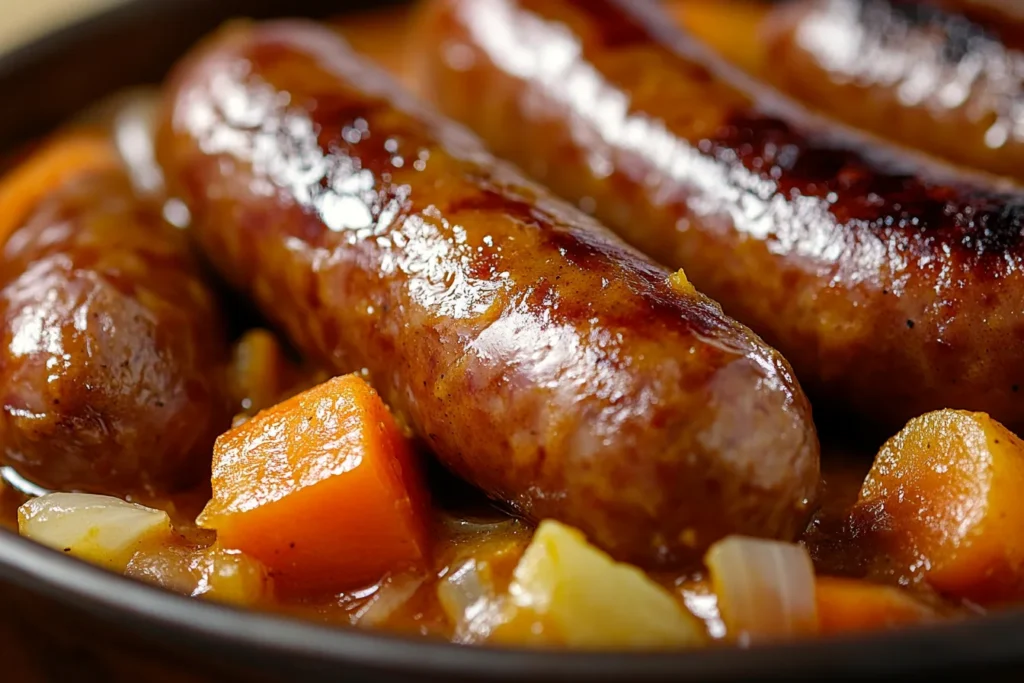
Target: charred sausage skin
{"points": [[113, 350], [910, 72], [538, 356], [893, 287]]}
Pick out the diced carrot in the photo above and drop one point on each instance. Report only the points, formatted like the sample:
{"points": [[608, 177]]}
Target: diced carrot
{"points": [[851, 605], [322, 488], [53, 164]]}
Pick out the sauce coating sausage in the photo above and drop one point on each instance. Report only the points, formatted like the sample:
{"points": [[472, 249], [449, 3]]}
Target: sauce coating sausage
{"points": [[910, 72], [112, 345], [889, 287], [538, 356]]}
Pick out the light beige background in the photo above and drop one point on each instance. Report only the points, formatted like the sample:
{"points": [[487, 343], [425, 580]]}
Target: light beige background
{"points": [[23, 20]]}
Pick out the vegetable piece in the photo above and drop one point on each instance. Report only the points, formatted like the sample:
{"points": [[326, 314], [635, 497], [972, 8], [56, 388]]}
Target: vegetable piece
{"points": [[945, 497], [851, 605], [57, 161], [389, 596], [323, 489], [213, 573], [567, 592], [765, 588], [260, 371], [471, 602], [100, 529]]}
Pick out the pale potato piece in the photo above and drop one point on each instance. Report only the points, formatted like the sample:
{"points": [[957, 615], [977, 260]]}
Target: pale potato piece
{"points": [[947, 497], [100, 529], [567, 592]]}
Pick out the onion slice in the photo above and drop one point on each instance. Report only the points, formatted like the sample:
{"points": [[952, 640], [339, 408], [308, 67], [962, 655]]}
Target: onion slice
{"points": [[471, 603], [99, 529], [765, 589], [389, 597]]}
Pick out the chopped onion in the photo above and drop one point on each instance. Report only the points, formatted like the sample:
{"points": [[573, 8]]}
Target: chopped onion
{"points": [[468, 599], [212, 573], [765, 588], [100, 529], [391, 594]]}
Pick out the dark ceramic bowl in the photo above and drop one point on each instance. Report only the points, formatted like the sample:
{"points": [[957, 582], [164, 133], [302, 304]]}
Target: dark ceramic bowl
{"points": [[61, 620]]}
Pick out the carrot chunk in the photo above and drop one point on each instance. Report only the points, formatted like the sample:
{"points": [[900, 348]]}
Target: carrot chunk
{"points": [[852, 605], [943, 504], [322, 488]]}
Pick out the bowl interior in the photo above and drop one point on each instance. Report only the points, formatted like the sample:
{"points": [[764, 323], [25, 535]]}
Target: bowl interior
{"points": [[52, 79]]}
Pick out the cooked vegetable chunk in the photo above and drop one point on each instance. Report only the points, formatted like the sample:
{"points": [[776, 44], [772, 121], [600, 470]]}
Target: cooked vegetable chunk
{"points": [[213, 573], [851, 605], [323, 489], [100, 529], [947, 498], [567, 592], [765, 589]]}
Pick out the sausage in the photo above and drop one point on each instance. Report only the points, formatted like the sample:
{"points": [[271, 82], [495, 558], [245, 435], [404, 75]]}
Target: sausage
{"points": [[539, 357], [112, 355], [910, 72], [894, 286]]}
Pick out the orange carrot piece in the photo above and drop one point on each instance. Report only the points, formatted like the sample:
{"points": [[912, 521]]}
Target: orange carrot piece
{"points": [[851, 605], [60, 159], [322, 488]]}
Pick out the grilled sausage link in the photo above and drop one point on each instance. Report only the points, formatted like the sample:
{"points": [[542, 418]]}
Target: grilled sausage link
{"points": [[909, 72], [538, 356], [887, 286], [112, 350]]}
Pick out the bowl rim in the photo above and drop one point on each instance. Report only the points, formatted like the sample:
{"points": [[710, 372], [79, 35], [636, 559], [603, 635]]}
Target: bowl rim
{"points": [[246, 636], [995, 640]]}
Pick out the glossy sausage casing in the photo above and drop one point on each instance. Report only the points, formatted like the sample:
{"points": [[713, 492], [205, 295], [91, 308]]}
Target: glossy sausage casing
{"points": [[890, 289], [111, 369], [538, 356], [910, 72]]}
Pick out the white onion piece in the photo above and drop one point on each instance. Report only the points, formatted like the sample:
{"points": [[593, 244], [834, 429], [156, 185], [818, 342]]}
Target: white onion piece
{"points": [[469, 600], [212, 573], [100, 529], [765, 588], [391, 594]]}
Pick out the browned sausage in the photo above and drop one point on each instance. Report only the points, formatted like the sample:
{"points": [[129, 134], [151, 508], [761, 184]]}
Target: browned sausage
{"points": [[112, 349], [538, 356], [910, 72], [890, 285]]}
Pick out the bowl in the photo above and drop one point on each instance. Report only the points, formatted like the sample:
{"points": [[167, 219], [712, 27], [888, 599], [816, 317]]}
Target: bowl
{"points": [[64, 620]]}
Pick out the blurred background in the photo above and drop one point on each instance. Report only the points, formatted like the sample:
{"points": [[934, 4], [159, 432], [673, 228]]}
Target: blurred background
{"points": [[23, 20]]}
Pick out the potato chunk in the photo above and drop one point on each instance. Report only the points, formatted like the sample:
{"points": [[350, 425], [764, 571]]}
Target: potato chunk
{"points": [[567, 592], [100, 529], [946, 500]]}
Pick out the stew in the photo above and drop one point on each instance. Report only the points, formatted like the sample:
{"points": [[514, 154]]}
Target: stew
{"points": [[292, 332]]}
